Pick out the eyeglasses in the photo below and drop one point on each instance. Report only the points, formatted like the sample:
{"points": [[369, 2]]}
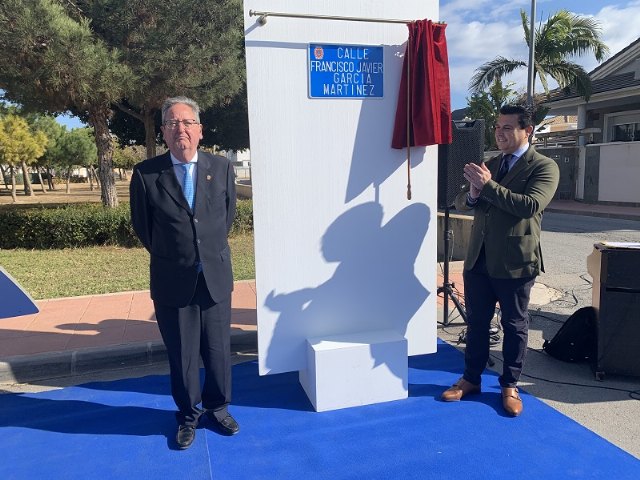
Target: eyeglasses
{"points": [[174, 123]]}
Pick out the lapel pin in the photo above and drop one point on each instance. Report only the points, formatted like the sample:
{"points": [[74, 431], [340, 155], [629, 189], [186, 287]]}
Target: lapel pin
{"points": [[208, 177]]}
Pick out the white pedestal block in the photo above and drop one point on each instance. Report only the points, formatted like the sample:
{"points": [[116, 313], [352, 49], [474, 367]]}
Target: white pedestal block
{"points": [[355, 369]]}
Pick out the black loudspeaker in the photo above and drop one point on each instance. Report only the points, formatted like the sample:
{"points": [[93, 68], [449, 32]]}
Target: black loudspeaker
{"points": [[616, 298], [467, 146]]}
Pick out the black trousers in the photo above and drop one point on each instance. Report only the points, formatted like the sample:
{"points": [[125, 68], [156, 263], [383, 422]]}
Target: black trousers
{"points": [[201, 330], [481, 292]]}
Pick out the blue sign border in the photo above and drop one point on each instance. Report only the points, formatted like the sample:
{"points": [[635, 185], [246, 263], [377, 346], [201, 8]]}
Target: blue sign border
{"points": [[345, 71]]}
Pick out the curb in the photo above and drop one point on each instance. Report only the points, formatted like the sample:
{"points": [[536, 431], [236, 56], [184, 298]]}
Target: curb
{"points": [[618, 216], [44, 366]]}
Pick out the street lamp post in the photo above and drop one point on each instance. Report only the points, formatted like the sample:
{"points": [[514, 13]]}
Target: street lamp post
{"points": [[532, 38]]}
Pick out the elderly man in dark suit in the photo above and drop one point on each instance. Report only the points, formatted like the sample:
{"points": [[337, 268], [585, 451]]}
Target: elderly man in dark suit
{"points": [[182, 208], [508, 195]]}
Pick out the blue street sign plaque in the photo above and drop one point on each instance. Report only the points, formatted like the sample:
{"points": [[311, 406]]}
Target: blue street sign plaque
{"points": [[346, 71]]}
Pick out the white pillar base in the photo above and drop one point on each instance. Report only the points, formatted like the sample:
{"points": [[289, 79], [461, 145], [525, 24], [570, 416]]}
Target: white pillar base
{"points": [[356, 369]]}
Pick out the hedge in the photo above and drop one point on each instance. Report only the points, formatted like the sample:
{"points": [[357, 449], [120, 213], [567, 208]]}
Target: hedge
{"points": [[82, 225]]}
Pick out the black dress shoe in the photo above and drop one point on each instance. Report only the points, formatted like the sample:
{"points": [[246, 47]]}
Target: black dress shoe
{"points": [[185, 436], [226, 425]]}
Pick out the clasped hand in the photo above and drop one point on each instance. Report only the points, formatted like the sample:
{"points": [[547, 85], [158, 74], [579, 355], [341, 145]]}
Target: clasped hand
{"points": [[477, 176]]}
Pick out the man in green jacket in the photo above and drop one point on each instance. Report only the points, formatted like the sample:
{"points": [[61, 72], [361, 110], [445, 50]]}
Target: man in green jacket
{"points": [[508, 194]]}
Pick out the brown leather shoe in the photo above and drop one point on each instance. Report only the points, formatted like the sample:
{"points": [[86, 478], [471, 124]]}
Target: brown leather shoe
{"points": [[459, 390], [511, 401]]}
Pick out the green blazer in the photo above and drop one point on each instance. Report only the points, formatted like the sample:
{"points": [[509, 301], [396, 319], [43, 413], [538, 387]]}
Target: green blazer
{"points": [[507, 218]]}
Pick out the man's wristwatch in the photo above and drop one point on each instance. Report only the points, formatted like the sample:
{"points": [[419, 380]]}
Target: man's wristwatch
{"points": [[471, 201]]}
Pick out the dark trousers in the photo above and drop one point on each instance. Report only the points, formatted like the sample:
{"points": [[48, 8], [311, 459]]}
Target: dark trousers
{"points": [[199, 330], [481, 292]]}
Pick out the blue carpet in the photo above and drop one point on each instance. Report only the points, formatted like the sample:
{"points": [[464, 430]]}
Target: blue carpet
{"points": [[124, 429], [108, 430]]}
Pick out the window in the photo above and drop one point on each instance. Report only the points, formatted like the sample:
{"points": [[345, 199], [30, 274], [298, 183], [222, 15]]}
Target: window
{"points": [[623, 127]]}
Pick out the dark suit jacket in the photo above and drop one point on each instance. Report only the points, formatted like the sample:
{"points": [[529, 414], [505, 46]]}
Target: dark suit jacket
{"points": [[178, 238], [508, 216]]}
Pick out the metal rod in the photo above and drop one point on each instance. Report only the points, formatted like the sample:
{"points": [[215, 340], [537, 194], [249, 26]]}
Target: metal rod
{"points": [[263, 17]]}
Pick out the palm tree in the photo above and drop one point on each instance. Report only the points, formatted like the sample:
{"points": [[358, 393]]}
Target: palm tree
{"points": [[563, 35]]}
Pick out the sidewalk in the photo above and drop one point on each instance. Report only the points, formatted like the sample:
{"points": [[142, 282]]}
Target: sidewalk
{"points": [[79, 335], [76, 335], [99, 332]]}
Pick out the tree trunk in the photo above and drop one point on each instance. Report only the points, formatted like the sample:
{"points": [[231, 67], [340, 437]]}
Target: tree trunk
{"points": [[90, 175], [69, 179], [98, 117], [150, 133], [95, 175], [41, 179], [13, 184], [4, 177], [28, 189]]}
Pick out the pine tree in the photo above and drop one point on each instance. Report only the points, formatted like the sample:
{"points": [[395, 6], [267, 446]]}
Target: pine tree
{"points": [[52, 62]]}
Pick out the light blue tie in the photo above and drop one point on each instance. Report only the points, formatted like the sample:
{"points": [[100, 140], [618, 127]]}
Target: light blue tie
{"points": [[187, 184]]}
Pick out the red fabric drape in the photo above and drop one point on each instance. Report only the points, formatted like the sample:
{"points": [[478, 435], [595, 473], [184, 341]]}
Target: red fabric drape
{"points": [[430, 94]]}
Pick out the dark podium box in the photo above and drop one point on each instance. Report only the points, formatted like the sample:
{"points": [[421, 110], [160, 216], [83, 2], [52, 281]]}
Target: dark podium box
{"points": [[616, 298]]}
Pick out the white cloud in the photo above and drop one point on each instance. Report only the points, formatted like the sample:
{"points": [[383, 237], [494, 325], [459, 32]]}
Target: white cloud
{"points": [[619, 27], [470, 44], [481, 42]]}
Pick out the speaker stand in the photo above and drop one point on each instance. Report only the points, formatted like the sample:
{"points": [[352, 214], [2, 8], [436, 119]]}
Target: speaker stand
{"points": [[447, 286]]}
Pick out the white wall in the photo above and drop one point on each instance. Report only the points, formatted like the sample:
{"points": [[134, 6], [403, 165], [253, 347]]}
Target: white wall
{"points": [[339, 248], [243, 156], [619, 172]]}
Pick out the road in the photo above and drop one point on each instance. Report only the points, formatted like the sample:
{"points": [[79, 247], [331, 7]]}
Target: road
{"points": [[567, 240]]}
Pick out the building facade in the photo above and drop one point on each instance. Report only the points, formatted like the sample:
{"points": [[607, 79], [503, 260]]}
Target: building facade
{"points": [[607, 154]]}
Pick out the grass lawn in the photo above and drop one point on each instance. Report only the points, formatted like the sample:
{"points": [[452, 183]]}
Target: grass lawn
{"points": [[95, 270]]}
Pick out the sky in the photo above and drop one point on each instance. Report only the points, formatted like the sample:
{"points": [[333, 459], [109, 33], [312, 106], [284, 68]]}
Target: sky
{"points": [[480, 30]]}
